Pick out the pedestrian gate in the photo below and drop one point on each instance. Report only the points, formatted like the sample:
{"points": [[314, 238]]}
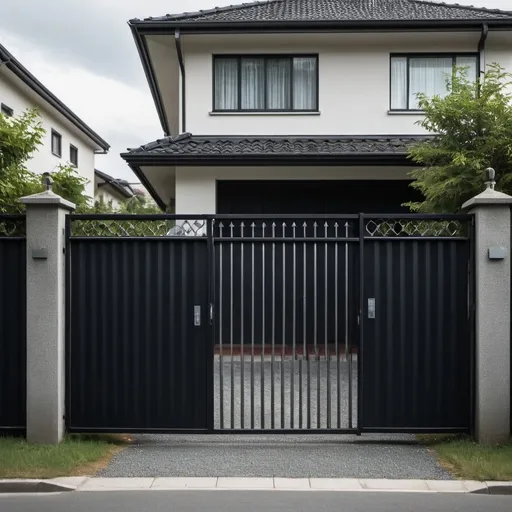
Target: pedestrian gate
{"points": [[274, 324]]}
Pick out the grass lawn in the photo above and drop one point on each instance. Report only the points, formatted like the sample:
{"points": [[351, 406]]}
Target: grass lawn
{"points": [[468, 460], [75, 456]]}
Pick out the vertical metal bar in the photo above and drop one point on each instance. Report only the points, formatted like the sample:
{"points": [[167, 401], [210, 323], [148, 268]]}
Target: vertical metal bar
{"points": [[221, 356], [326, 327], [272, 362], [336, 328], [315, 326], [304, 324], [294, 331], [360, 353], [348, 346], [242, 310], [231, 334], [263, 331], [308, 381], [283, 343], [210, 330], [253, 225]]}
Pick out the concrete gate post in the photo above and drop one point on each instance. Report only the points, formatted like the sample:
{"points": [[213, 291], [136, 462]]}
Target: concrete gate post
{"points": [[493, 303], [46, 214]]}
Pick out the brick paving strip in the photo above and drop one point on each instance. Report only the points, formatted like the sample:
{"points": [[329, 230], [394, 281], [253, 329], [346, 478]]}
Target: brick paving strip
{"points": [[85, 484]]}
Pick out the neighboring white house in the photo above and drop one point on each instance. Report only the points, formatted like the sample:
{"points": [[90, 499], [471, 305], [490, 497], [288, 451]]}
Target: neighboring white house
{"points": [[109, 190], [68, 140], [292, 106]]}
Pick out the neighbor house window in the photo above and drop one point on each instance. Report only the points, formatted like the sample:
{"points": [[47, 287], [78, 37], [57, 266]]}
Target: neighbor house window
{"points": [[428, 74], [269, 83], [73, 155], [7, 111], [56, 143]]}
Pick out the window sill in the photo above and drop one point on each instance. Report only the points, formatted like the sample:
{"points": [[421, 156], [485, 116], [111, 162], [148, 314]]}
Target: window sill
{"points": [[290, 113], [56, 154], [406, 113]]}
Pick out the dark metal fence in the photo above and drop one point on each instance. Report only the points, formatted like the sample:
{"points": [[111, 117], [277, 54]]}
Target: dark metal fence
{"points": [[230, 323], [416, 349], [12, 323], [137, 353]]}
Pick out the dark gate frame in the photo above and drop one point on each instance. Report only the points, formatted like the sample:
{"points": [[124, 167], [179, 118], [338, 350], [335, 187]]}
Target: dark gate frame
{"points": [[210, 221]]}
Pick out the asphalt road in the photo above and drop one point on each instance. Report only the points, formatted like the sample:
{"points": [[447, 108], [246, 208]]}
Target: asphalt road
{"points": [[235, 501]]}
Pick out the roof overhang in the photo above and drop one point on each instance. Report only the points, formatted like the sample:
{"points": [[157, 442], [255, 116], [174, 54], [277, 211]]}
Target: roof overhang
{"points": [[146, 27], [13, 65]]}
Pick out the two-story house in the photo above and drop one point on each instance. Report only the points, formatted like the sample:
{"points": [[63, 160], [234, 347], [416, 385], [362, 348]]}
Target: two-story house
{"points": [[68, 140], [111, 191], [301, 106]]}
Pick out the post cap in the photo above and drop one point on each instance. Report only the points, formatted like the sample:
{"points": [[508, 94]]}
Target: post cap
{"points": [[47, 198]]}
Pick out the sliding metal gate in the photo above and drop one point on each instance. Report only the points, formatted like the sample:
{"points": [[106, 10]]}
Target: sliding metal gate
{"points": [[286, 341], [247, 324]]}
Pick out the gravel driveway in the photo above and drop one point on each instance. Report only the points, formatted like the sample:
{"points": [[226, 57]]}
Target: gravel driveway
{"points": [[293, 456]]}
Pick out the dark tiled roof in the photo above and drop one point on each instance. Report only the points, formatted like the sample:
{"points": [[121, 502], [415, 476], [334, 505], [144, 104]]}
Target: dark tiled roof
{"points": [[122, 186], [218, 146], [337, 10]]}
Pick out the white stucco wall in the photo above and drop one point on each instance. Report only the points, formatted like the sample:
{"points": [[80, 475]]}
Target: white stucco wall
{"points": [[354, 85], [13, 94], [103, 194], [196, 187]]}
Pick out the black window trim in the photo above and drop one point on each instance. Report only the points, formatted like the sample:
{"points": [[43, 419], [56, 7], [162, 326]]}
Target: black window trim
{"points": [[71, 148], [266, 57], [6, 110], [56, 133], [427, 55]]}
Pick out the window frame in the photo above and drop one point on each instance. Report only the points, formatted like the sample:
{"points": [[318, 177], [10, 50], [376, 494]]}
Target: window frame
{"points": [[266, 57], [71, 148], [6, 110], [410, 56], [55, 133]]}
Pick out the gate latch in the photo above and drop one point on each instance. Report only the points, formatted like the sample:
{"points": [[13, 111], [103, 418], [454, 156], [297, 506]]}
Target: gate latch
{"points": [[197, 316], [371, 308]]}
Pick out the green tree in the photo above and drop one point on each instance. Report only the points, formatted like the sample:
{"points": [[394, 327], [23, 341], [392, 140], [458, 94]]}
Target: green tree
{"points": [[20, 136], [472, 130]]}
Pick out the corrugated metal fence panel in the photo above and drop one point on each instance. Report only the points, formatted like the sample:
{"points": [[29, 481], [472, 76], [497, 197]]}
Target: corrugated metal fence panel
{"points": [[12, 333], [416, 351], [136, 360]]}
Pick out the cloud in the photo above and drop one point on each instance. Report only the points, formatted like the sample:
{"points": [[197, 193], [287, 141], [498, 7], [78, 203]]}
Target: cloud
{"points": [[122, 114]]}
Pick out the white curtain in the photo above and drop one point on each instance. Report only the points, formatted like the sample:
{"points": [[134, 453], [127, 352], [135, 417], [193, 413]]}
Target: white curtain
{"points": [[399, 83], [304, 83], [470, 64], [429, 76], [279, 80], [226, 84], [253, 84]]}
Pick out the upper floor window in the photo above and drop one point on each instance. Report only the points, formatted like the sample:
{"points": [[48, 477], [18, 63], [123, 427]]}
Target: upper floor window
{"points": [[268, 83], [56, 143], [73, 155], [6, 111], [428, 74]]}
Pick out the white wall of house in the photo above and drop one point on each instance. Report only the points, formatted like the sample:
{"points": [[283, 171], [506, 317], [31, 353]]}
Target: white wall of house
{"points": [[196, 187], [19, 98], [354, 80], [104, 195]]}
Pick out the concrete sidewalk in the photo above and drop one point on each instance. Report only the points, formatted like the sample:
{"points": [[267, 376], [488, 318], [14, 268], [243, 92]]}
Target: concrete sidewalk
{"points": [[85, 484]]}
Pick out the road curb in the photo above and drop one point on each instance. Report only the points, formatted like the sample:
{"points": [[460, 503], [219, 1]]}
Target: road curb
{"points": [[100, 484], [33, 486]]}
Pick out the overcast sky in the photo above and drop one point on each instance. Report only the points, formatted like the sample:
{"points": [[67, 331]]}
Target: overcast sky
{"points": [[83, 51]]}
